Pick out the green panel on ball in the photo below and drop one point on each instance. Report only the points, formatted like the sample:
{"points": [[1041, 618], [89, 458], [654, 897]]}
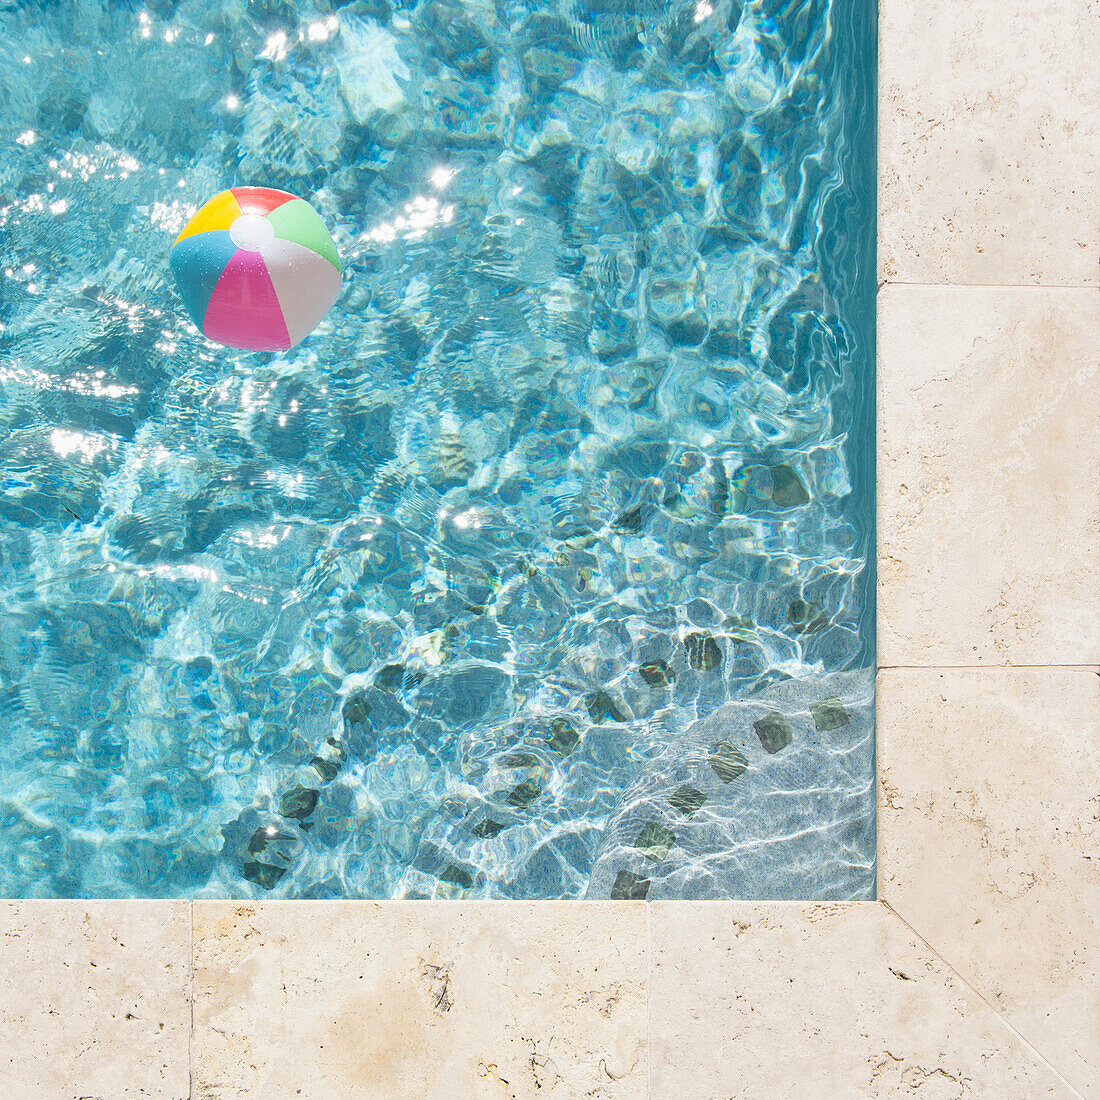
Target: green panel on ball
{"points": [[297, 221]]}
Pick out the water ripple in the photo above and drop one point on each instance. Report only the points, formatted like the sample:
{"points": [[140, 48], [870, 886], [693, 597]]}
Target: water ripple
{"points": [[541, 568]]}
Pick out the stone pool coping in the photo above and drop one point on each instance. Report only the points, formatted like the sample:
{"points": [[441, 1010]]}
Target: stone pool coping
{"points": [[974, 974]]}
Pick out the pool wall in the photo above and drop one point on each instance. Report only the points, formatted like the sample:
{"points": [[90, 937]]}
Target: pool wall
{"points": [[974, 974]]}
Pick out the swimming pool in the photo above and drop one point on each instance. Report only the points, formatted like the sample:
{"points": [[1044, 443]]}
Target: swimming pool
{"points": [[544, 567]]}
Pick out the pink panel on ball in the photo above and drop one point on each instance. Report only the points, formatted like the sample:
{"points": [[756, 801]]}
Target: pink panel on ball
{"points": [[244, 310], [305, 282]]}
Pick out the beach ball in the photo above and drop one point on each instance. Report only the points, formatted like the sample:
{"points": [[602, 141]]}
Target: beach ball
{"points": [[257, 269]]}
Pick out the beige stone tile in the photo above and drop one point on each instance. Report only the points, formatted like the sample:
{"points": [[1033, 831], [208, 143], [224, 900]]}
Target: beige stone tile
{"points": [[419, 999], [989, 841], [94, 1000], [988, 467], [802, 1001], [989, 123]]}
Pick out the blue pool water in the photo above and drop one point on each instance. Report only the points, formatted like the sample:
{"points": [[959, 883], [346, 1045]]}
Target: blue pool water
{"points": [[544, 568]]}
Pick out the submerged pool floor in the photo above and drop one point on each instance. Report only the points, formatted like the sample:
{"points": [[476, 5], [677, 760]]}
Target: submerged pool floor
{"points": [[542, 569]]}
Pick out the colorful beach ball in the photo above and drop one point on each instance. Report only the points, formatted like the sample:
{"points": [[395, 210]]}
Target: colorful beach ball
{"points": [[257, 269]]}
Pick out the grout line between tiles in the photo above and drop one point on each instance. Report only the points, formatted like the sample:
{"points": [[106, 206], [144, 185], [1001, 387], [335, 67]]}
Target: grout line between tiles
{"points": [[992, 286], [648, 1006], [1094, 669], [992, 1007], [191, 999]]}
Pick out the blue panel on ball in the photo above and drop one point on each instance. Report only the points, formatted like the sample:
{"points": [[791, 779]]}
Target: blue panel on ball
{"points": [[197, 262]]}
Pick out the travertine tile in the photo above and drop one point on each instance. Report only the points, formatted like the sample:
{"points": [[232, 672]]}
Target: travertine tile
{"points": [[413, 999], [989, 841], [94, 1001], [988, 467], [797, 1001], [989, 122]]}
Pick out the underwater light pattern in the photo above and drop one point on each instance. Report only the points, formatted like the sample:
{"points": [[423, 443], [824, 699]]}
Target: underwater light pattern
{"points": [[543, 567]]}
